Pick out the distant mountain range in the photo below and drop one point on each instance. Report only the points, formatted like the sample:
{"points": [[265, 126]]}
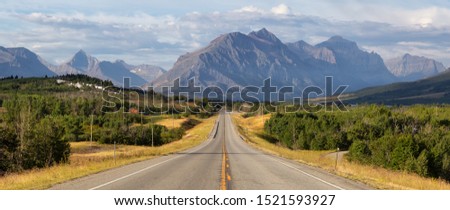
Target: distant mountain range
{"points": [[22, 62], [237, 59], [410, 67]]}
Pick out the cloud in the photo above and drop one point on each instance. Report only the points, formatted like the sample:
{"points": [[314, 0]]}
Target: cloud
{"points": [[141, 37], [250, 9], [281, 9]]}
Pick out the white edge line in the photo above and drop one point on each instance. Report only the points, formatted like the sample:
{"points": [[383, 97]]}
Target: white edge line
{"points": [[124, 177], [307, 174], [144, 169]]}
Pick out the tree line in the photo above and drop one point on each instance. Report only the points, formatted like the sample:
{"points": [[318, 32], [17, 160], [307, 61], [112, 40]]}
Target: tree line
{"points": [[35, 130], [414, 139]]}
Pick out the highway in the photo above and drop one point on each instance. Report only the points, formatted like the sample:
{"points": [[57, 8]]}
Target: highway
{"points": [[224, 161]]}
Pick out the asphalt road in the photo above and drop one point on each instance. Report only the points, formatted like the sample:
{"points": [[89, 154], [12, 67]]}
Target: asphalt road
{"points": [[224, 161]]}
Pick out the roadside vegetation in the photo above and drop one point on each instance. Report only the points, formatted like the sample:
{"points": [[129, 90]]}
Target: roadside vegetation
{"points": [[87, 158], [43, 119], [309, 137]]}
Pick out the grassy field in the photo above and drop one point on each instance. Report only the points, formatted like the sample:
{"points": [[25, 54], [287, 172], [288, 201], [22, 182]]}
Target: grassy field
{"points": [[171, 123], [377, 177], [165, 120], [89, 159]]}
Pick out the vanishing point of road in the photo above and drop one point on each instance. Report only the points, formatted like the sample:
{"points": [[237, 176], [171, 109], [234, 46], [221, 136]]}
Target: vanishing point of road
{"points": [[224, 161]]}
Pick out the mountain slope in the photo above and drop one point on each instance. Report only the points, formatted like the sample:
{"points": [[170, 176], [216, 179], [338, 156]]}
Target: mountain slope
{"points": [[82, 63], [434, 89], [22, 62], [236, 59], [363, 69], [410, 67], [147, 72], [116, 72], [307, 51]]}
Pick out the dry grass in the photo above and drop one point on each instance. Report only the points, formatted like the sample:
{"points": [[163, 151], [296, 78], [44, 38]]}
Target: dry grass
{"points": [[86, 159], [171, 123], [374, 176]]}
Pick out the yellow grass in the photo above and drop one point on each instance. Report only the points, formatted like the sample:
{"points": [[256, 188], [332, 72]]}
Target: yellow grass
{"points": [[171, 123], [86, 159], [374, 176]]}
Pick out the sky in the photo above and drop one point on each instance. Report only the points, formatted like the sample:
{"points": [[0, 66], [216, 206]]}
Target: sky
{"points": [[158, 32]]}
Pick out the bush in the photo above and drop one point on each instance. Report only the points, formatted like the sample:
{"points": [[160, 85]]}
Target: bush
{"points": [[359, 151], [44, 145], [413, 139], [171, 135], [8, 149]]}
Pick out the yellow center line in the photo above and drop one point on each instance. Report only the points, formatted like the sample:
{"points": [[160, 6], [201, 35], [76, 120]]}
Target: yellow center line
{"points": [[223, 178]]}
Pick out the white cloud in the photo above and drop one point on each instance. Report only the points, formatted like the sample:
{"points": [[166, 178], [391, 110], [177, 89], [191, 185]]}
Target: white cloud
{"points": [[415, 44], [250, 9], [432, 16], [159, 39], [281, 9]]}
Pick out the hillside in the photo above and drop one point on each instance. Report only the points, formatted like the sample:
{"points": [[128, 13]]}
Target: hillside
{"points": [[46, 85], [22, 62], [435, 89]]}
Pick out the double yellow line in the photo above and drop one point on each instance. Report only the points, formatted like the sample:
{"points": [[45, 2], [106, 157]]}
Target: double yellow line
{"points": [[225, 177]]}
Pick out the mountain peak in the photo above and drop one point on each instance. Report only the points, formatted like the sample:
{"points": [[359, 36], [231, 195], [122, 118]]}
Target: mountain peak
{"points": [[120, 61], [82, 61], [411, 67], [263, 31], [337, 38], [302, 44], [228, 37], [22, 51], [81, 51], [338, 42], [22, 62], [264, 34], [81, 54], [341, 40], [407, 55]]}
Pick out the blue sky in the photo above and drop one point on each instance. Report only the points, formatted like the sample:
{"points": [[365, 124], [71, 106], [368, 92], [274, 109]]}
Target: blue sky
{"points": [[158, 32]]}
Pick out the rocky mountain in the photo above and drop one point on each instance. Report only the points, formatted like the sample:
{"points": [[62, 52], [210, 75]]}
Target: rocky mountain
{"points": [[22, 62], [82, 63], [307, 51], [237, 59], [362, 69], [147, 72], [409, 67]]}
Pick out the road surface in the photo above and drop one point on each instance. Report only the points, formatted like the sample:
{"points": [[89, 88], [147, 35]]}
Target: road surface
{"points": [[224, 161]]}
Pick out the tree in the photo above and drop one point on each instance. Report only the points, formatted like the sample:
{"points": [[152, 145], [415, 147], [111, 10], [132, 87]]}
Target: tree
{"points": [[74, 128], [45, 145], [422, 163], [405, 150], [359, 151], [8, 148]]}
